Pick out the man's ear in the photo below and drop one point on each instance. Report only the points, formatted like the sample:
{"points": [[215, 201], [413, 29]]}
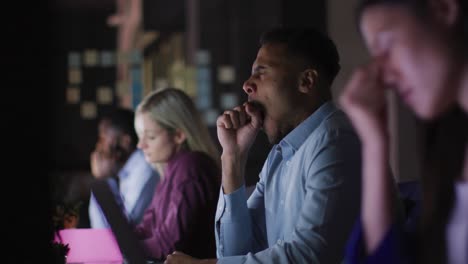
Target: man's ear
{"points": [[446, 12], [179, 137], [307, 81]]}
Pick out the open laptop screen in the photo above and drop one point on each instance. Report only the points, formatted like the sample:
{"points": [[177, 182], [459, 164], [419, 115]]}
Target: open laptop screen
{"points": [[89, 245], [122, 229]]}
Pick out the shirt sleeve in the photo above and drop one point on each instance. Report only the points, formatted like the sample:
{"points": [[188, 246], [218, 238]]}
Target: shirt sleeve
{"points": [[188, 203], [138, 185], [145, 196], [96, 216], [240, 225], [329, 209]]}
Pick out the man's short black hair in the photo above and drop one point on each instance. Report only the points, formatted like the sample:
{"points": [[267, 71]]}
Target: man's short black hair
{"points": [[122, 120], [316, 48]]}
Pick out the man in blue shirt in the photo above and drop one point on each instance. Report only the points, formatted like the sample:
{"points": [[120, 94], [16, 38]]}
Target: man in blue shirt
{"points": [[307, 198], [116, 158]]}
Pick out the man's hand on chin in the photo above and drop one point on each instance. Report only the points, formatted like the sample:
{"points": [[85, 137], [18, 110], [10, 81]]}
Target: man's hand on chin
{"points": [[179, 258]]}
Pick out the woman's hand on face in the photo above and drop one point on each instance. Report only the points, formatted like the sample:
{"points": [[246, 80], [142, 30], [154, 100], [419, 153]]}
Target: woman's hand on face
{"points": [[363, 99]]}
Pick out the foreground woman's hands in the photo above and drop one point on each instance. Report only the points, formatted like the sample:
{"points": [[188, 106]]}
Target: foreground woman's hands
{"points": [[364, 101]]}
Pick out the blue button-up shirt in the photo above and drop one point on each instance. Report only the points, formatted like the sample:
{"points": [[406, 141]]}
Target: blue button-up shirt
{"points": [[137, 183], [305, 202]]}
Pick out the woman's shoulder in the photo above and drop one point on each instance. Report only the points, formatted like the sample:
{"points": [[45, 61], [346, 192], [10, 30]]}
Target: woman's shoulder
{"points": [[194, 160], [192, 157]]}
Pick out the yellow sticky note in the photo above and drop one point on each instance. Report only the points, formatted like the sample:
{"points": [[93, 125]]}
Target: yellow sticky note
{"points": [[88, 110], [91, 58], [104, 95], [74, 76], [226, 74]]}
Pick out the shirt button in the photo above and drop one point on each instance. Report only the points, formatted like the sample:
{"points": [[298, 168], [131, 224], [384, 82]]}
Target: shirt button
{"points": [[280, 241]]}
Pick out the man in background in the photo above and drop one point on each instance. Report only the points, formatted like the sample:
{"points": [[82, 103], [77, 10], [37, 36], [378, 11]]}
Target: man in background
{"points": [[117, 159], [307, 197]]}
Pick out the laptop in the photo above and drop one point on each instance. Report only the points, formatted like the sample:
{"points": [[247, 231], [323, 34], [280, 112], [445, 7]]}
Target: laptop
{"points": [[88, 245], [128, 242]]}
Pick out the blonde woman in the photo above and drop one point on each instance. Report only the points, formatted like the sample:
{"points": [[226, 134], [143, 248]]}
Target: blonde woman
{"points": [[175, 140]]}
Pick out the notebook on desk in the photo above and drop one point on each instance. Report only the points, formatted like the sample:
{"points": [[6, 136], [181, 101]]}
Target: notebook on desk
{"points": [[127, 241]]}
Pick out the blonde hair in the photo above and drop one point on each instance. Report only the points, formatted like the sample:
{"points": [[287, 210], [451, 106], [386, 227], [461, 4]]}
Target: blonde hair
{"points": [[173, 109]]}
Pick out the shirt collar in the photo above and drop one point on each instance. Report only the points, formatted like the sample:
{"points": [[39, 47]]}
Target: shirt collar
{"points": [[294, 139], [136, 155]]}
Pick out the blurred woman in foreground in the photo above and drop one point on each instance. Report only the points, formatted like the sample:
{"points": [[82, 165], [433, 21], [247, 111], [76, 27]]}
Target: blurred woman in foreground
{"points": [[418, 49]]}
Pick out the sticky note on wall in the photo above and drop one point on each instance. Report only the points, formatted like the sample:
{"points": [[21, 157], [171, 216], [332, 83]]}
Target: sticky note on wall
{"points": [[88, 110], [74, 75], [107, 59], [210, 116], [202, 57], [226, 74], [74, 59], [90, 58], [104, 95], [73, 95], [228, 100]]}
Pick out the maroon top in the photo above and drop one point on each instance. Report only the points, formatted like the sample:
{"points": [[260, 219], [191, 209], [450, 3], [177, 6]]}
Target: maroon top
{"points": [[182, 212]]}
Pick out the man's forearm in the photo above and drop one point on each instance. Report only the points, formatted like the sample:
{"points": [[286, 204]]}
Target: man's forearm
{"points": [[233, 167], [377, 202]]}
